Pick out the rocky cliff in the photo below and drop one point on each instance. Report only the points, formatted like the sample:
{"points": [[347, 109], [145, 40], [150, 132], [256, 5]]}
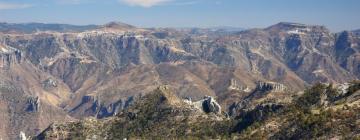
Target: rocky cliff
{"points": [[100, 70], [9, 56]]}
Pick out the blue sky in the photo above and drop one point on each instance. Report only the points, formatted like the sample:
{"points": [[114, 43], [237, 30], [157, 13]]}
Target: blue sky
{"points": [[335, 14]]}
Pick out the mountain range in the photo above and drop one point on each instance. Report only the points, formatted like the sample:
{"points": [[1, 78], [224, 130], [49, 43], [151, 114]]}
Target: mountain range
{"points": [[57, 72]]}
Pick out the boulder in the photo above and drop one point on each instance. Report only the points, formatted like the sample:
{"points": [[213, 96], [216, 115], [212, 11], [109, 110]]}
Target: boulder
{"points": [[209, 104]]}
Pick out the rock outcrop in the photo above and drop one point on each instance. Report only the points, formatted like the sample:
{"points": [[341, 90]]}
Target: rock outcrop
{"points": [[33, 104], [49, 83], [93, 106], [270, 86], [9, 56], [207, 105], [233, 85], [210, 105]]}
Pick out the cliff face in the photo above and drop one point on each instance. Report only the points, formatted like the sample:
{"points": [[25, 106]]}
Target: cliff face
{"points": [[347, 51], [9, 56], [26, 104], [98, 71]]}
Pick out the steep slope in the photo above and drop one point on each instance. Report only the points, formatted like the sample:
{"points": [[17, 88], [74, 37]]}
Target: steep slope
{"points": [[321, 112], [306, 50], [284, 53], [347, 52], [159, 114], [91, 63], [27, 94]]}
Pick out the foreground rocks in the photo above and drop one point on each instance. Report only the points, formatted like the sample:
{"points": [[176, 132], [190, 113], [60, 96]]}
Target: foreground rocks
{"points": [[161, 114]]}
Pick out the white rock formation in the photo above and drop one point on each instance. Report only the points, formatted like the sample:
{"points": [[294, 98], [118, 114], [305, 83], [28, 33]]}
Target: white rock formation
{"points": [[235, 86], [23, 136], [207, 105], [270, 86], [343, 88]]}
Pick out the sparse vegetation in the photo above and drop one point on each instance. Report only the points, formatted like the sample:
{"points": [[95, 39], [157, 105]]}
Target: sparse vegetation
{"points": [[307, 119], [162, 115]]}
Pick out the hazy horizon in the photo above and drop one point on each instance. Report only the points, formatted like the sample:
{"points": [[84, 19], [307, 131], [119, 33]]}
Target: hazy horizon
{"points": [[337, 15]]}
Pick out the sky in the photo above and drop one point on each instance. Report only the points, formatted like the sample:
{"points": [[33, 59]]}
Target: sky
{"points": [[337, 15]]}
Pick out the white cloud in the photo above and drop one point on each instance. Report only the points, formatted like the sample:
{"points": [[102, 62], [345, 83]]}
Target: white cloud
{"points": [[145, 3], [7, 6]]}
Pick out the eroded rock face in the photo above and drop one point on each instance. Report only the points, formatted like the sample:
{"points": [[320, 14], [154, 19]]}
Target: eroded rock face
{"points": [[112, 109], [49, 83], [343, 88], [233, 85], [270, 86], [94, 106], [33, 104], [210, 105], [347, 51], [207, 105], [9, 56]]}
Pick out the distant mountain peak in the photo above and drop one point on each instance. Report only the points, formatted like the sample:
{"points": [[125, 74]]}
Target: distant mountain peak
{"points": [[287, 26], [297, 28], [292, 24], [118, 25]]}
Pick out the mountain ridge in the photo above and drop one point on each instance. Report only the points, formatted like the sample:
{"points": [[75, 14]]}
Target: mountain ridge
{"points": [[62, 27]]}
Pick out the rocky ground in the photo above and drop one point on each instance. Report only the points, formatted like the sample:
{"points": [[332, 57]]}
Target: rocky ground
{"points": [[321, 112]]}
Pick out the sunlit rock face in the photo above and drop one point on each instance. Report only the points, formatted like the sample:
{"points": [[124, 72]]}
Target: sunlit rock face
{"points": [[9, 56], [270, 86]]}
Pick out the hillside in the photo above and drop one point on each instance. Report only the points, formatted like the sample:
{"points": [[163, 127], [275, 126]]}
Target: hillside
{"points": [[159, 114], [323, 111]]}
